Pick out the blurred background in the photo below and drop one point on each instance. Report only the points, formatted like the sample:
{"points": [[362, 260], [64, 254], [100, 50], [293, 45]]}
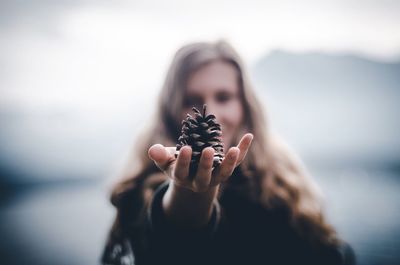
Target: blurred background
{"points": [[78, 81]]}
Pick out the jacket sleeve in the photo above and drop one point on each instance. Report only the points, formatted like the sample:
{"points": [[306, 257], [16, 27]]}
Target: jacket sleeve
{"points": [[175, 243], [158, 241]]}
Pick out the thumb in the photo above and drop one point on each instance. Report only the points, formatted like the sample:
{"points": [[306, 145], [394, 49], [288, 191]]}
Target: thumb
{"points": [[162, 156]]}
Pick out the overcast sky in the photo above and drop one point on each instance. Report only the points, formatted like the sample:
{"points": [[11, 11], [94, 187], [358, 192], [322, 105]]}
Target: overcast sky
{"points": [[73, 52]]}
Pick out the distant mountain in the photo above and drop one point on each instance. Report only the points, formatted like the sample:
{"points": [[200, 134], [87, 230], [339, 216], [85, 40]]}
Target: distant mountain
{"points": [[333, 107], [328, 72]]}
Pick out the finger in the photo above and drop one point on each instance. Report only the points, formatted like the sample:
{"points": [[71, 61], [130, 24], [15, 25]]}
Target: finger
{"points": [[202, 179], [183, 163], [225, 170], [244, 146], [161, 156]]}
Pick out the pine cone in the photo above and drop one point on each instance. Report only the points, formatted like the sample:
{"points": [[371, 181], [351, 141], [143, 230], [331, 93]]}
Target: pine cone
{"points": [[199, 132]]}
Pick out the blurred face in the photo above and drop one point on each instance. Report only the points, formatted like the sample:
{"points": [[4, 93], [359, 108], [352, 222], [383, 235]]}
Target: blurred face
{"points": [[216, 84]]}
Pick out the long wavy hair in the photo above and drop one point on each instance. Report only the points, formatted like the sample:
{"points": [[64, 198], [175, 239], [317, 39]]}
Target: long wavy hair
{"points": [[278, 174]]}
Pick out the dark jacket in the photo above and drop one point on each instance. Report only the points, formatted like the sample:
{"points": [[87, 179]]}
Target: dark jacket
{"points": [[240, 231]]}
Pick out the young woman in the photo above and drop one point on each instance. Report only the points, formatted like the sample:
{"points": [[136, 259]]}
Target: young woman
{"points": [[258, 207]]}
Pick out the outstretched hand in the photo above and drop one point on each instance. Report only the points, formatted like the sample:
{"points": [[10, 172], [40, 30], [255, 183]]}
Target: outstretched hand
{"points": [[177, 169]]}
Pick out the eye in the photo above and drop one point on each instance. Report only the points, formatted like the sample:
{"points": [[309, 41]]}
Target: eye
{"points": [[223, 97]]}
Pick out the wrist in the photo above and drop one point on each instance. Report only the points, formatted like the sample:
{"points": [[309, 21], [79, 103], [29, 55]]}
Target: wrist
{"points": [[186, 207]]}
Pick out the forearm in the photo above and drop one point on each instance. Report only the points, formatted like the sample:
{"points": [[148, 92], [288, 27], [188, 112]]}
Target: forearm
{"points": [[187, 208]]}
